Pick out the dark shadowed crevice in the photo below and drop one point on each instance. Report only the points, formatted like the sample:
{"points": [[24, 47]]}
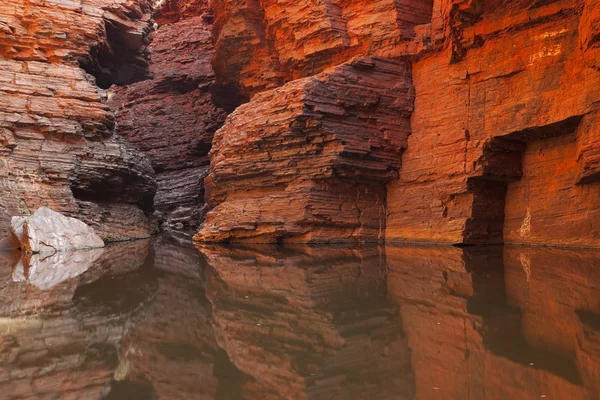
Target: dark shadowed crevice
{"points": [[120, 59]]}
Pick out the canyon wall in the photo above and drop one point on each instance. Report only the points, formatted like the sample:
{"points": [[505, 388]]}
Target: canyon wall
{"points": [[504, 140], [172, 117], [58, 147], [442, 121], [502, 144]]}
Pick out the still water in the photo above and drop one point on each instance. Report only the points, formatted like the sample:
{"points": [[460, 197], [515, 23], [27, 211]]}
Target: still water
{"points": [[164, 320]]}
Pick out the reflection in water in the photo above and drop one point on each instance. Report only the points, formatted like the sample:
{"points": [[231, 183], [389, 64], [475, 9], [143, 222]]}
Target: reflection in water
{"points": [[162, 320]]}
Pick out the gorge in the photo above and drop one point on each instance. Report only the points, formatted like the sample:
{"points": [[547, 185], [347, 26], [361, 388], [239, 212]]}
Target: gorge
{"points": [[314, 199]]}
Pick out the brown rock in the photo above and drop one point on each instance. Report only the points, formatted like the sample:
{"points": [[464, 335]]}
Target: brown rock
{"points": [[309, 162], [172, 118], [57, 143]]}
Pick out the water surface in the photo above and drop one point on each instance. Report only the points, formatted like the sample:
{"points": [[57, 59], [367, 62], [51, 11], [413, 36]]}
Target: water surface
{"points": [[163, 320]]}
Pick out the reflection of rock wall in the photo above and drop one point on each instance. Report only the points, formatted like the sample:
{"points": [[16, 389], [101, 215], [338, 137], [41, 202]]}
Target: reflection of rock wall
{"points": [[558, 292], [477, 330], [64, 341], [309, 323], [57, 145], [173, 350]]}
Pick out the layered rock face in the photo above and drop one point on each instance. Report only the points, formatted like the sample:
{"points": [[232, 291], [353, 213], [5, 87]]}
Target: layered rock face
{"points": [[503, 143], [172, 117], [309, 162], [57, 141], [261, 45], [504, 137]]}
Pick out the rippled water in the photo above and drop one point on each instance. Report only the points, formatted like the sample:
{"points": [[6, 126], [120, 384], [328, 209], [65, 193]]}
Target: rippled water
{"points": [[164, 320]]}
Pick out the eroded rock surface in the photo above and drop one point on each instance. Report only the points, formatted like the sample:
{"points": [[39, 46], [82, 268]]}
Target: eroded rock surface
{"points": [[57, 141], [308, 162], [503, 143], [504, 134], [172, 118]]}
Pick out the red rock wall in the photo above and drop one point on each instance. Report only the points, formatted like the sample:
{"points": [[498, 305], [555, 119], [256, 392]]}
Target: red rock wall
{"points": [[172, 117], [490, 81], [57, 142], [308, 162], [262, 44], [514, 78]]}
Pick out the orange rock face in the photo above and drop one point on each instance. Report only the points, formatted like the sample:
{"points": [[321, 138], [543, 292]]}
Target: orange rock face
{"points": [[504, 143], [57, 141], [308, 162], [503, 136]]}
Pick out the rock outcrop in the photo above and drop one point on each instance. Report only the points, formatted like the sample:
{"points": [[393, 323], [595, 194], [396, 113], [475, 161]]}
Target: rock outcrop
{"points": [[309, 162], [57, 142], [503, 136], [172, 117]]}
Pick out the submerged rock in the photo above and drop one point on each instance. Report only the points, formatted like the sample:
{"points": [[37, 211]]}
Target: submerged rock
{"points": [[47, 231]]}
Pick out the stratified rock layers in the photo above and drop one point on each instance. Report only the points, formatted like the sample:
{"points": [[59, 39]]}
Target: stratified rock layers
{"points": [[308, 162], [504, 143], [57, 145], [504, 139], [172, 118]]}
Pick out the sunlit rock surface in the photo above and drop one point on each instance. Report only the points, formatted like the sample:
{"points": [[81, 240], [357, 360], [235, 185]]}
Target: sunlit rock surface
{"points": [[504, 134]]}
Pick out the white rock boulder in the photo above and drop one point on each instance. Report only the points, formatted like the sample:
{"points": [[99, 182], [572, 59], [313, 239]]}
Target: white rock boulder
{"points": [[47, 232]]}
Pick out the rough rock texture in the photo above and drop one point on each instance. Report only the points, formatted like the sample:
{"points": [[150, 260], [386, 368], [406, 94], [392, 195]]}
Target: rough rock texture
{"points": [[306, 323], [47, 232], [504, 143], [262, 44], [172, 117], [504, 136], [57, 142], [309, 161]]}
